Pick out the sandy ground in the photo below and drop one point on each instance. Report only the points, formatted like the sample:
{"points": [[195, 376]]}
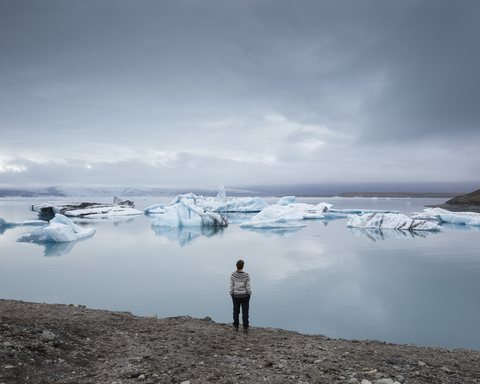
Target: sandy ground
{"points": [[53, 343]]}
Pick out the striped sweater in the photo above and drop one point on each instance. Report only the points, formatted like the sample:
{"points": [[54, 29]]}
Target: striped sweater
{"points": [[240, 284]]}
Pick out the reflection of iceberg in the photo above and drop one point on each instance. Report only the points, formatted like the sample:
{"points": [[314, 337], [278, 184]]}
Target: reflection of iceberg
{"points": [[61, 229], [391, 221], [186, 214], [460, 227], [186, 235], [375, 234], [273, 232], [58, 249]]}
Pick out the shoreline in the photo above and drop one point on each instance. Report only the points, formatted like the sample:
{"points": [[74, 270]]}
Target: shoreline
{"points": [[59, 343]]}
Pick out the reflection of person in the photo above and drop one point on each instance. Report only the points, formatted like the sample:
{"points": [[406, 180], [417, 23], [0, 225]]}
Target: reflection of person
{"points": [[240, 291]]}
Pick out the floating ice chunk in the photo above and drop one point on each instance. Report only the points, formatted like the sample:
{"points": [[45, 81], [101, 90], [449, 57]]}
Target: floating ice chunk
{"points": [[287, 200], [162, 208], [276, 216], [186, 214], [7, 224], [390, 221], [429, 214], [360, 211], [233, 204], [465, 218], [61, 229], [75, 209], [222, 196]]}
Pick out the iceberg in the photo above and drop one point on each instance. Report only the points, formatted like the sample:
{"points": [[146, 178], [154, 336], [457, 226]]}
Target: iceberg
{"points": [[221, 203], [443, 215], [76, 209], [465, 218], [60, 230], [162, 208], [276, 216], [391, 221], [186, 213], [429, 214]]}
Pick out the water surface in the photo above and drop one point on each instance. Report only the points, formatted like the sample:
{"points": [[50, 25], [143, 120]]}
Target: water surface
{"points": [[420, 288]]}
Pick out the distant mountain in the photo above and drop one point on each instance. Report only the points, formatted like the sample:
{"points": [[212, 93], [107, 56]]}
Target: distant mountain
{"points": [[67, 191], [469, 202]]}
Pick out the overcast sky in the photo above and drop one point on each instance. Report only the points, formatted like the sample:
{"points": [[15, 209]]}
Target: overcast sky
{"points": [[202, 93]]}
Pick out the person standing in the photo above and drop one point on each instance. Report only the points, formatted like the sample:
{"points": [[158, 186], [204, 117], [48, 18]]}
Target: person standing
{"points": [[240, 290]]}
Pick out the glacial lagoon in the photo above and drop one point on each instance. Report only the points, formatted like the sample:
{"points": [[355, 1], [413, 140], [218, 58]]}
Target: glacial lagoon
{"points": [[402, 287]]}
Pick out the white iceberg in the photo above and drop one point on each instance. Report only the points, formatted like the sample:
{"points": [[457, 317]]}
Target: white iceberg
{"points": [[276, 216], [287, 200], [60, 230], [443, 215], [391, 221], [429, 214], [221, 203], [162, 208], [186, 213], [76, 209], [465, 218]]}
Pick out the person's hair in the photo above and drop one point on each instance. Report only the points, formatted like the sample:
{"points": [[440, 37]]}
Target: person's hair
{"points": [[240, 264]]}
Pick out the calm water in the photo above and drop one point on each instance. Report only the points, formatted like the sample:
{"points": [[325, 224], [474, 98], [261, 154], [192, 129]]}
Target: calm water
{"points": [[321, 279]]}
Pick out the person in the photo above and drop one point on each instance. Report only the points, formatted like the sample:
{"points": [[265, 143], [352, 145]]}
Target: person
{"points": [[240, 290]]}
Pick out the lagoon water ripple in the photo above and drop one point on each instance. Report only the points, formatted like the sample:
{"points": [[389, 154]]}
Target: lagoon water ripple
{"points": [[397, 286]]}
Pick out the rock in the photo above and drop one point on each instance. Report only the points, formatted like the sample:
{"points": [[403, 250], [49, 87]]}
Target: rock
{"points": [[9, 367], [400, 379], [48, 335], [365, 382], [385, 381], [446, 369], [141, 378], [353, 380], [421, 363], [151, 316], [371, 373], [185, 382]]}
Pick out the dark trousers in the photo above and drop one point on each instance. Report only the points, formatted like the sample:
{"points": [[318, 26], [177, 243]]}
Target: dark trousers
{"points": [[238, 302]]}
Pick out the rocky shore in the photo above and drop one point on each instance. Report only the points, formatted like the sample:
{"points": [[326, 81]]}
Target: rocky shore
{"points": [[54, 343]]}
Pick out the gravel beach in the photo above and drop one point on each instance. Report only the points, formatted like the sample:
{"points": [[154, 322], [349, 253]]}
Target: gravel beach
{"points": [[56, 343]]}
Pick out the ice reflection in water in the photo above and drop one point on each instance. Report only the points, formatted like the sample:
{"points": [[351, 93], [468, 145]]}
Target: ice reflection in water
{"points": [[186, 235]]}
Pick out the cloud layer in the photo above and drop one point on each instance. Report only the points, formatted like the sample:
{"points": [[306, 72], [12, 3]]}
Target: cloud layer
{"points": [[186, 93]]}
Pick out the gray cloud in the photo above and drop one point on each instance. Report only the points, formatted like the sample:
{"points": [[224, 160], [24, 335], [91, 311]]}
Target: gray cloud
{"points": [[190, 93]]}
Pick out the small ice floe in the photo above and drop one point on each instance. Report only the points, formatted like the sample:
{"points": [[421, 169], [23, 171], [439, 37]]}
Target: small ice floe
{"points": [[391, 221], [465, 218], [9, 224], [76, 209], [429, 214], [443, 215], [275, 216], [186, 213], [60, 230]]}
